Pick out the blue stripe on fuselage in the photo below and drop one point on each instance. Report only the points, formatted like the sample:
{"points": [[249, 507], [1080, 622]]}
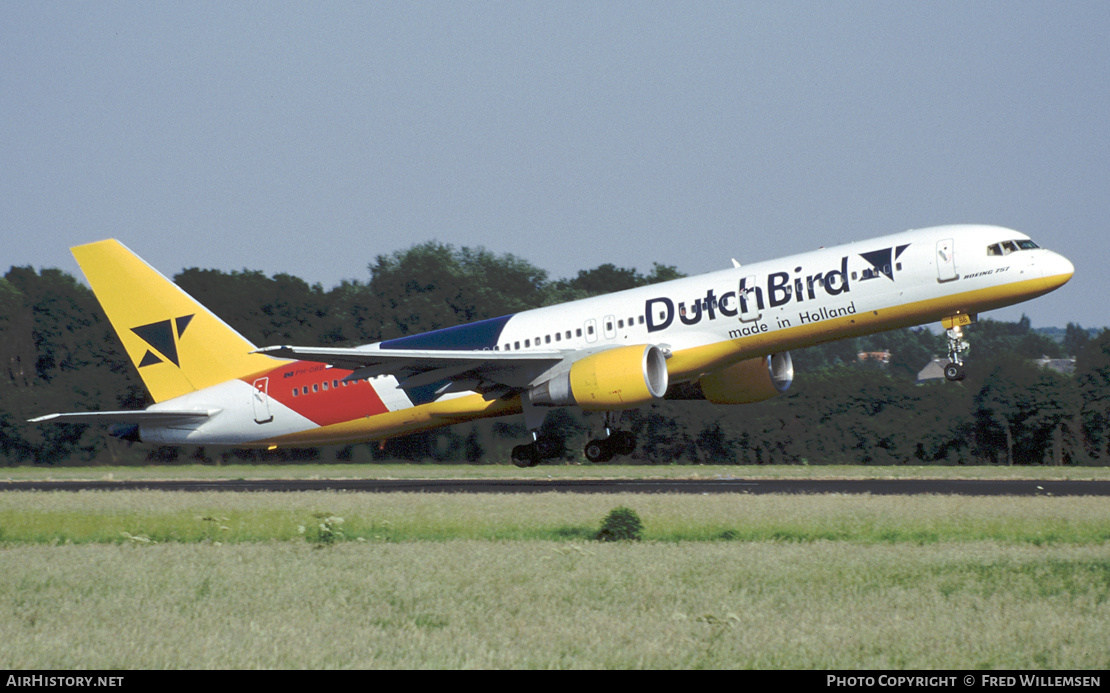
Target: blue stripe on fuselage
{"points": [[474, 336]]}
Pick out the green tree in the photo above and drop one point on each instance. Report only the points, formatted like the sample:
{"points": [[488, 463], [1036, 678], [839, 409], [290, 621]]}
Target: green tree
{"points": [[1022, 411], [433, 285], [607, 279], [70, 361], [911, 349], [1092, 375], [1075, 339], [991, 337], [265, 310]]}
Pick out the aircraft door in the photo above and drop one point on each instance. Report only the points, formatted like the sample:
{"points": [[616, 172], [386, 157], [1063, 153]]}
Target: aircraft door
{"points": [[750, 297], [591, 330], [610, 323], [261, 401], [946, 261]]}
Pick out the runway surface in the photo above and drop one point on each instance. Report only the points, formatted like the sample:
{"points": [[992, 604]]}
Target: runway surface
{"points": [[974, 487]]}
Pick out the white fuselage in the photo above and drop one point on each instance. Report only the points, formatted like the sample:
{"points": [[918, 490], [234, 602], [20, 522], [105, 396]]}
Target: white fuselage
{"points": [[703, 323]]}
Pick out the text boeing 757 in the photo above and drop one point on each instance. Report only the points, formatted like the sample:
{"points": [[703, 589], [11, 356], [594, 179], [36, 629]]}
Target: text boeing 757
{"points": [[723, 336]]}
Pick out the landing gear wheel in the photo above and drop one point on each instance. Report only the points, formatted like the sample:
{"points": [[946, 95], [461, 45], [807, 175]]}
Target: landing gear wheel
{"points": [[526, 455], [599, 450], [624, 442], [954, 372], [548, 447]]}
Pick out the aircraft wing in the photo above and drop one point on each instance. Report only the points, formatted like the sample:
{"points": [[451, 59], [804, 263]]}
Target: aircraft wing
{"points": [[142, 416], [467, 370]]}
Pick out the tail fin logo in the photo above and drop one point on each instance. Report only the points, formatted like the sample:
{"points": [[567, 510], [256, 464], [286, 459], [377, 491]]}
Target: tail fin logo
{"points": [[162, 337]]}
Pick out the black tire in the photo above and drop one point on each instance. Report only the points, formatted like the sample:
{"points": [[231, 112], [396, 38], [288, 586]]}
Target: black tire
{"points": [[598, 451], [526, 455], [954, 372], [624, 442], [548, 447]]}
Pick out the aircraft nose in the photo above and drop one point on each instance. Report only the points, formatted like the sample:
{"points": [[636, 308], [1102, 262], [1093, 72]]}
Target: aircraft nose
{"points": [[1056, 270]]}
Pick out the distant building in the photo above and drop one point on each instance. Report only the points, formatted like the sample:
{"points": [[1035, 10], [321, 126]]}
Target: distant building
{"points": [[1065, 366], [880, 356], [934, 370]]}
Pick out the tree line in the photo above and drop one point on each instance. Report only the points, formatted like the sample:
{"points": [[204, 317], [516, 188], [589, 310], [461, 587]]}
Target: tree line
{"points": [[59, 353]]}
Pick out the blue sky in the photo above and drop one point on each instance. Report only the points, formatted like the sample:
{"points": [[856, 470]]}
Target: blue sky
{"points": [[309, 138]]}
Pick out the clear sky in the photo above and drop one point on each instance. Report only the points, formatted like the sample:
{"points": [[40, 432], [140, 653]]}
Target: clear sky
{"points": [[310, 137]]}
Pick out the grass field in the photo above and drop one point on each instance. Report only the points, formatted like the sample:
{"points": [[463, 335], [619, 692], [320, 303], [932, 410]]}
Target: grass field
{"points": [[149, 579]]}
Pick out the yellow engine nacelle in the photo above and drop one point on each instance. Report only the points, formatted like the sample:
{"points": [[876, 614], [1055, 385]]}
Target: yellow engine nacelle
{"points": [[753, 380], [618, 378]]}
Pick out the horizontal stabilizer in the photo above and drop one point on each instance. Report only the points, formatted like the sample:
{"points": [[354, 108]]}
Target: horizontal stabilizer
{"points": [[164, 417]]}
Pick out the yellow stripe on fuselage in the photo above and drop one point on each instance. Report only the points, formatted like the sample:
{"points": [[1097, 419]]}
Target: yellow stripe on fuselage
{"points": [[684, 363], [691, 363]]}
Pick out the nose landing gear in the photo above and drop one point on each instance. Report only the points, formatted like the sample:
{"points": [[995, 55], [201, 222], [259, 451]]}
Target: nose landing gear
{"points": [[954, 371]]}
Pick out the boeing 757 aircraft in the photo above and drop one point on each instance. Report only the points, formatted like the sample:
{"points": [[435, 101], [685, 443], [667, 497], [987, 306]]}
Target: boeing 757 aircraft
{"points": [[723, 336]]}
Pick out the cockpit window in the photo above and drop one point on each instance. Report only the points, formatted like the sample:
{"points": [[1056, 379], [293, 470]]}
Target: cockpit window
{"points": [[1007, 247]]}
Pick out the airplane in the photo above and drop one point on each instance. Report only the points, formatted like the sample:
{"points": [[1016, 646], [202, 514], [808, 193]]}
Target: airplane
{"points": [[724, 337]]}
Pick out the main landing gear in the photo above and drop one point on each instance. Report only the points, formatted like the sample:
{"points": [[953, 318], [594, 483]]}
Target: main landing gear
{"points": [[614, 442], [541, 448]]}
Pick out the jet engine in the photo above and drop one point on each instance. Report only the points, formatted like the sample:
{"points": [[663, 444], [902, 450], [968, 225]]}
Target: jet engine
{"points": [[618, 378], [753, 380]]}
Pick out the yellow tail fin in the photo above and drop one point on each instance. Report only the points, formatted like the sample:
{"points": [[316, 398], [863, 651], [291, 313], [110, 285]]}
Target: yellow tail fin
{"points": [[176, 344]]}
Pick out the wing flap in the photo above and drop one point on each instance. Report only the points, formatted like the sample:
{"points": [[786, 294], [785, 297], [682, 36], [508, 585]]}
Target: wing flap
{"points": [[415, 367]]}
